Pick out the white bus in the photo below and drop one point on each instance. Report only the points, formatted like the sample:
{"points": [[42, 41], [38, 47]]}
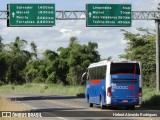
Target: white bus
{"points": [[114, 83]]}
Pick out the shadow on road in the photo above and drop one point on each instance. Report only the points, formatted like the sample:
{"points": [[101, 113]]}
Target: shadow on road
{"points": [[63, 112], [80, 113], [50, 97], [152, 104], [55, 109]]}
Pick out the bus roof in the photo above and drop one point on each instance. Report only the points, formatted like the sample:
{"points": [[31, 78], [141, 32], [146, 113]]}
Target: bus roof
{"points": [[104, 62]]}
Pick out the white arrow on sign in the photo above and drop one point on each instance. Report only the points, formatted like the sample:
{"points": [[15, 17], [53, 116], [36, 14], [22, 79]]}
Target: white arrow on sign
{"points": [[90, 14], [13, 14]]}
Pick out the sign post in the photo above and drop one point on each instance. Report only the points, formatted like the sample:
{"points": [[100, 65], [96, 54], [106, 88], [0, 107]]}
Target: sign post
{"points": [[108, 15], [31, 15]]}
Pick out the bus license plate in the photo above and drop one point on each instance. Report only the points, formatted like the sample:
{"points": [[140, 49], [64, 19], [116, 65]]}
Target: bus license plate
{"points": [[124, 100]]}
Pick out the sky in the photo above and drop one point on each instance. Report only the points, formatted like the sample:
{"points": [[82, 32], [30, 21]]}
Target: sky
{"points": [[110, 39]]}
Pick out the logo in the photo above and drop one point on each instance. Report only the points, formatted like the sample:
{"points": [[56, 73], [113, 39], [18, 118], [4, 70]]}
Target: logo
{"points": [[120, 87], [114, 86], [20, 114], [130, 87], [6, 114]]}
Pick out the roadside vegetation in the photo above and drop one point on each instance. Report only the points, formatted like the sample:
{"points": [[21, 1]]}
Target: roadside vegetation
{"points": [[59, 72], [64, 66], [7, 105], [150, 97], [43, 88], [141, 46]]}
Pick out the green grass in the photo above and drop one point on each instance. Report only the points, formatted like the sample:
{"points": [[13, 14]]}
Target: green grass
{"points": [[150, 96], [42, 88]]}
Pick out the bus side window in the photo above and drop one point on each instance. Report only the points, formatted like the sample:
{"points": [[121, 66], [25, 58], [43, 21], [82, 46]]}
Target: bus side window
{"points": [[90, 74], [104, 72], [97, 72], [100, 72], [104, 76], [94, 73]]}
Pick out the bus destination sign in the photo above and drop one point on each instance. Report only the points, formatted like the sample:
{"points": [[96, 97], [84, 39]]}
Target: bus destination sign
{"points": [[31, 15], [108, 15]]}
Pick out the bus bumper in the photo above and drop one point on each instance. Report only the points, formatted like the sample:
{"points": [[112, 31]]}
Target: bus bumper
{"points": [[134, 101]]}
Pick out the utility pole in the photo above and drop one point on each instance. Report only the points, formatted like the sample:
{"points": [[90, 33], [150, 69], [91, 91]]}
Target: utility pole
{"points": [[157, 54]]}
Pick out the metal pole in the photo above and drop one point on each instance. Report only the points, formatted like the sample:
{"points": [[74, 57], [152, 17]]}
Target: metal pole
{"points": [[157, 55]]}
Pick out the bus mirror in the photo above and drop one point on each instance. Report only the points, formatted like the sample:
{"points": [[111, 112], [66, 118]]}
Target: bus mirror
{"points": [[84, 77]]}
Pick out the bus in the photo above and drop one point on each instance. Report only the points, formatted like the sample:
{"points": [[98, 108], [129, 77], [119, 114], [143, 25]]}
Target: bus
{"points": [[114, 83]]}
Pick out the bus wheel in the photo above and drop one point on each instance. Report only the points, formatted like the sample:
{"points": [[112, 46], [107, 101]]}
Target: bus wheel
{"points": [[131, 107], [90, 104], [102, 106]]}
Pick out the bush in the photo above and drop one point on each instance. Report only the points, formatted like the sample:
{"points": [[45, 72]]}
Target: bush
{"points": [[31, 75], [28, 85], [1, 83], [39, 80], [150, 97], [52, 78]]}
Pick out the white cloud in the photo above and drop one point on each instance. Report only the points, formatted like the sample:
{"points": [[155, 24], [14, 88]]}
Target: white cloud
{"points": [[69, 33]]}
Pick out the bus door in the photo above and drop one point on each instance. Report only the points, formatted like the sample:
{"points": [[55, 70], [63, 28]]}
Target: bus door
{"points": [[125, 83]]}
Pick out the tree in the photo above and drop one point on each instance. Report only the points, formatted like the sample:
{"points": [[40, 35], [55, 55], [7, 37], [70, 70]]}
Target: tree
{"points": [[18, 66], [1, 44], [108, 58], [141, 46], [14, 59], [79, 58], [34, 70], [34, 49], [50, 55], [3, 67], [63, 67]]}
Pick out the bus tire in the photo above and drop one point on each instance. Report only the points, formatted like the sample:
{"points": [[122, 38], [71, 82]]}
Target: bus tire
{"points": [[101, 103], [87, 98], [90, 104]]}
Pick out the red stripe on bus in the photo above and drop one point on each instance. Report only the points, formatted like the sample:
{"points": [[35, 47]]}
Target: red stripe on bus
{"points": [[95, 82], [134, 86]]}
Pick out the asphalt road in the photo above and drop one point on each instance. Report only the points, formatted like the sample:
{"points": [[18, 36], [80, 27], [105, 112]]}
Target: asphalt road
{"points": [[60, 107]]}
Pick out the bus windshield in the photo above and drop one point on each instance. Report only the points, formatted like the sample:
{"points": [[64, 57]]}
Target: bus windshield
{"points": [[125, 68]]}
